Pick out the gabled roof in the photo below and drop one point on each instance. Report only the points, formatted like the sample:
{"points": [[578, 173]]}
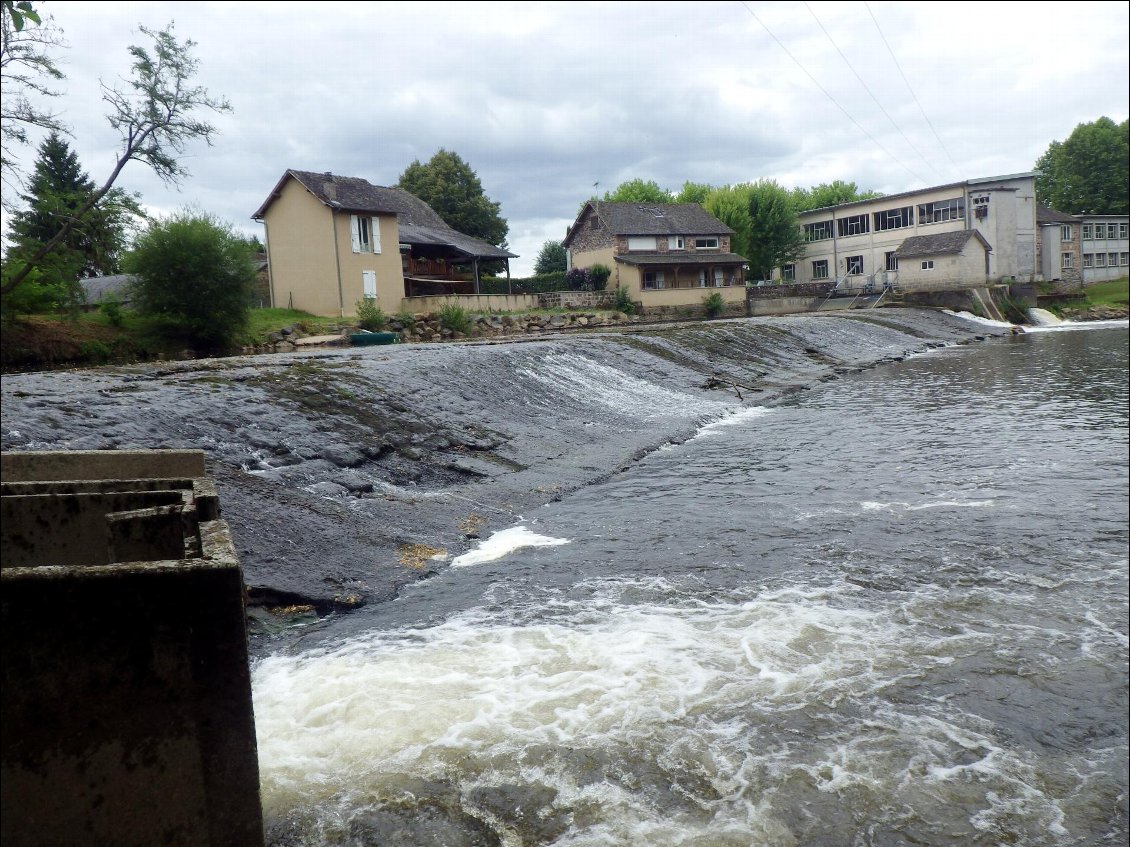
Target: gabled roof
{"points": [[944, 243], [651, 219], [419, 223], [101, 288], [1045, 215]]}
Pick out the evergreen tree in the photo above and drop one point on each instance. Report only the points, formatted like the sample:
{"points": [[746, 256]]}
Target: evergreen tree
{"points": [[453, 190], [57, 190]]}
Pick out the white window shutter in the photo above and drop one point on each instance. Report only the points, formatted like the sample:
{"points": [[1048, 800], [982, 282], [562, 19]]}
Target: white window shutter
{"points": [[375, 236], [369, 283], [355, 233]]}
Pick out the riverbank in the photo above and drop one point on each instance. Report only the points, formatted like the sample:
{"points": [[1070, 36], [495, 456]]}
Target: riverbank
{"points": [[347, 474]]}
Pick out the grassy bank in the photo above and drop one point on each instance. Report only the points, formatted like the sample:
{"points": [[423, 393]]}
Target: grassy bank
{"points": [[41, 342], [1103, 298]]}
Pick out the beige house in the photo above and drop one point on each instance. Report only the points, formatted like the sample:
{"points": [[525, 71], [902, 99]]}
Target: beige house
{"points": [[858, 245], [943, 260], [666, 254], [333, 241]]}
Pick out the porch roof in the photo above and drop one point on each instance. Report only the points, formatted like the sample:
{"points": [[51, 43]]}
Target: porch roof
{"points": [[681, 259]]}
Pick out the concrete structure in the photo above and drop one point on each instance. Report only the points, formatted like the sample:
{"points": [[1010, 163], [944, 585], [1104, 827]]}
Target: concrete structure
{"points": [[1059, 246], [334, 240], [668, 255], [1105, 247], [857, 244], [127, 716]]}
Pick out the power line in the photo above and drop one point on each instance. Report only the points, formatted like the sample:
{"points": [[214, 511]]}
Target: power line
{"points": [[866, 88], [942, 144], [847, 114]]}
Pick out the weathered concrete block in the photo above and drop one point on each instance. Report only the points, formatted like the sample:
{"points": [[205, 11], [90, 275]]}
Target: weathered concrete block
{"points": [[127, 715]]}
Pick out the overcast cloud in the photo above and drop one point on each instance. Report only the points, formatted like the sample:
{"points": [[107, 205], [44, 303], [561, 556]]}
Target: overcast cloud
{"points": [[552, 102]]}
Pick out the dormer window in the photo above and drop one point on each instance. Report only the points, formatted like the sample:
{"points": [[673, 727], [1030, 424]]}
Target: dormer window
{"points": [[707, 243]]}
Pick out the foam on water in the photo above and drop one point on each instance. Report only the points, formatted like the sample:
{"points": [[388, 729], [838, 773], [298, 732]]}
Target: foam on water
{"points": [[1070, 326], [969, 316], [503, 543], [592, 383], [698, 715], [738, 418]]}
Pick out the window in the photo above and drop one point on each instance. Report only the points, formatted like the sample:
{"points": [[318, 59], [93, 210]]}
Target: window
{"points": [[1122, 230], [854, 265], [942, 211], [717, 277], [642, 242], [928, 264], [1112, 260], [369, 284], [818, 232], [1112, 230], [854, 225], [1087, 231], [1067, 261], [1066, 232], [702, 278], [675, 242], [820, 269], [1100, 260], [894, 218], [365, 234], [594, 222], [1088, 260], [788, 273], [710, 243], [892, 261], [1124, 259], [653, 279]]}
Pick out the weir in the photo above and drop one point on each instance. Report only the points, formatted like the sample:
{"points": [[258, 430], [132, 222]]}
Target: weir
{"points": [[335, 465]]}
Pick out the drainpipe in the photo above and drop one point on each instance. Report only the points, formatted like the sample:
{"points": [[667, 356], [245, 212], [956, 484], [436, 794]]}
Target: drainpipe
{"points": [[337, 260]]}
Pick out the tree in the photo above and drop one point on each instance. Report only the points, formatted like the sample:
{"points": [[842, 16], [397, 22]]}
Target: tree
{"points": [[26, 74], [1089, 172], [829, 194], [196, 273], [775, 235], [730, 204], [57, 189], [693, 192], [551, 259], [638, 191], [452, 189], [156, 116]]}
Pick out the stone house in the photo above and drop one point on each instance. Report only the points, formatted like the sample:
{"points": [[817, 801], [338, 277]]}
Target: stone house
{"points": [[333, 241], [1059, 246], [666, 254]]}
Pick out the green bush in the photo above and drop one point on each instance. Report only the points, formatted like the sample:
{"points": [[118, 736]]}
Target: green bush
{"points": [[623, 301], [713, 304], [600, 275], [112, 309], [194, 273], [370, 316], [455, 318]]}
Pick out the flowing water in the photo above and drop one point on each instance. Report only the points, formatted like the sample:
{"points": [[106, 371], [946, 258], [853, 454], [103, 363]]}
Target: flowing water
{"points": [[891, 610]]}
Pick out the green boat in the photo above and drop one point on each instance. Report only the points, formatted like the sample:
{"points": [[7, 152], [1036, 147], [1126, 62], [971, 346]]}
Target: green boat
{"points": [[365, 339]]}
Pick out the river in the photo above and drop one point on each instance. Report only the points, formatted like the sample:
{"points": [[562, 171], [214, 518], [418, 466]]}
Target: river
{"points": [[888, 610]]}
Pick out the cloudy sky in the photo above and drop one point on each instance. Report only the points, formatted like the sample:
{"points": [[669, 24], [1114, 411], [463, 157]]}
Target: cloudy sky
{"points": [[552, 102]]}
